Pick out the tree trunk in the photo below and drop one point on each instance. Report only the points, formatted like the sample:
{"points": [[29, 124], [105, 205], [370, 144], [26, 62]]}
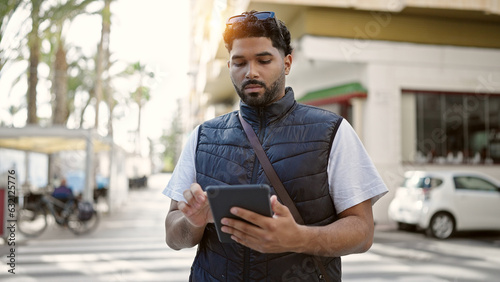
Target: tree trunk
{"points": [[98, 83], [60, 109], [106, 30], [82, 113], [138, 138], [101, 48], [34, 44]]}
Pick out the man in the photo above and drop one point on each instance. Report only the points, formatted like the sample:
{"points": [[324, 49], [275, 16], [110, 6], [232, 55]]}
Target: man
{"points": [[316, 154], [62, 192]]}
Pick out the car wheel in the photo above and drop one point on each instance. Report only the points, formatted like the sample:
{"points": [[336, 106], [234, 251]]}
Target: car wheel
{"points": [[441, 226]]}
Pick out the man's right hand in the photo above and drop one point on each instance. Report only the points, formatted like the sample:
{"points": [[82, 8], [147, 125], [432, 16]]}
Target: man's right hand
{"points": [[196, 208]]}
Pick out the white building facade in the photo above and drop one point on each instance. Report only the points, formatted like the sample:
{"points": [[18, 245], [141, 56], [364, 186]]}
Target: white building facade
{"points": [[420, 99]]}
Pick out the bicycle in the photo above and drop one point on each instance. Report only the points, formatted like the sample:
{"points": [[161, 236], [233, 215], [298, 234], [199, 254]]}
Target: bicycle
{"points": [[32, 215]]}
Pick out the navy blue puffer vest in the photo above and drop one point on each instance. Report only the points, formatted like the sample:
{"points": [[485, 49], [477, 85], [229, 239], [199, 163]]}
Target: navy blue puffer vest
{"points": [[297, 139]]}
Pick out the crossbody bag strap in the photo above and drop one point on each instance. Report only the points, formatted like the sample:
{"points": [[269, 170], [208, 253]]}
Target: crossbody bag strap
{"points": [[276, 182]]}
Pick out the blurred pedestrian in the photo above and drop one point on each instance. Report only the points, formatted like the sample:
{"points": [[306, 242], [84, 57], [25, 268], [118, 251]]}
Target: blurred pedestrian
{"points": [[63, 192]]}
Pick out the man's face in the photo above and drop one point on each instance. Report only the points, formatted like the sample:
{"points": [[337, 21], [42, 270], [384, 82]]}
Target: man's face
{"points": [[258, 70]]}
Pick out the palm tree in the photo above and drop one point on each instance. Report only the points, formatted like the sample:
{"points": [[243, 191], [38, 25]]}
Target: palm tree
{"points": [[34, 47], [81, 82], [59, 15], [7, 9], [60, 110], [56, 15], [106, 29], [140, 96], [102, 59]]}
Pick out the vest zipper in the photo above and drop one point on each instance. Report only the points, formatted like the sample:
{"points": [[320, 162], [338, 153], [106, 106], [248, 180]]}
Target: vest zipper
{"points": [[246, 251], [260, 135], [246, 263]]}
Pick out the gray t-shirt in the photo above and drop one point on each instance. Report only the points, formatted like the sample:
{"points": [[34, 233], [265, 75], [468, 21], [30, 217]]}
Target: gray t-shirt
{"points": [[352, 177]]}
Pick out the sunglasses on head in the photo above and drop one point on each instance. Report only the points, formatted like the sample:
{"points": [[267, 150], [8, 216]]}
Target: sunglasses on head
{"points": [[259, 15]]}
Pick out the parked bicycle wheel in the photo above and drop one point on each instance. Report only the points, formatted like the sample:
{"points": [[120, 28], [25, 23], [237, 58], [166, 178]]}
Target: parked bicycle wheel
{"points": [[79, 225], [32, 220]]}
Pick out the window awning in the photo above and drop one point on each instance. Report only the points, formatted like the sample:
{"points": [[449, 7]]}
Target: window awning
{"points": [[336, 94]]}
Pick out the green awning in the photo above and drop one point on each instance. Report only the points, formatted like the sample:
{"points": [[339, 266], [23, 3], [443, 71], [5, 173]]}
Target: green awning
{"points": [[336, 94]]}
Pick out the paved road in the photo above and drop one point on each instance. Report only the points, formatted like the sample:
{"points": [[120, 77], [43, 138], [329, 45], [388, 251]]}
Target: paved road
{"points": [[412, 257], [129, 246]]}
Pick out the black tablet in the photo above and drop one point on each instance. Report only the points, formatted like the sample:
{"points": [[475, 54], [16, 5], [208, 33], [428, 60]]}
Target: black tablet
{"points": [[254, 197]]}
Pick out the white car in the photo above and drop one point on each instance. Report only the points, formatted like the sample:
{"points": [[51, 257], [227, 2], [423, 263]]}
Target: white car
{"points": [[442, 202]]}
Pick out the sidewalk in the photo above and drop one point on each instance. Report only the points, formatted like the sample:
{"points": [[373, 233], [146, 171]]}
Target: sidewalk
{"points": [[139, 215], [128, 245]]}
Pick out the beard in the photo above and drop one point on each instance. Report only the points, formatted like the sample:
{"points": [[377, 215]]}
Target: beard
{"points": [[271, 93]]}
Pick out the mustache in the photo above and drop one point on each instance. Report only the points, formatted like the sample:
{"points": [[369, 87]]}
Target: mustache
{"points": [[252, 81]]}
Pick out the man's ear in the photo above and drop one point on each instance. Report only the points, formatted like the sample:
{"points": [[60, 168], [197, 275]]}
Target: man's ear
{"points": [[227, 63], [288, 63]]}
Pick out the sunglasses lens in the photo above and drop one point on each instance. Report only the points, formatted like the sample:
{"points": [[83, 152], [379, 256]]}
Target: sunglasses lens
{"points": [[259, 16], [235, 19], [264, 15]]}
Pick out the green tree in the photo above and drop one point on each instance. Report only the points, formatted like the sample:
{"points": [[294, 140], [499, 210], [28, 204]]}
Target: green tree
{"points": [[81, 82], [53, 15], [172, 140], [7, 9], [141, 95], [58, 16]]}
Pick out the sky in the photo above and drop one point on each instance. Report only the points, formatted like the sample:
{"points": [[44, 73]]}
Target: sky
{"points": [[156, 33], [153, 32]]}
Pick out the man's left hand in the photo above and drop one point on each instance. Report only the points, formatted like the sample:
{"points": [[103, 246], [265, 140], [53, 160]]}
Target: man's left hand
{"points": [[269, 235]]}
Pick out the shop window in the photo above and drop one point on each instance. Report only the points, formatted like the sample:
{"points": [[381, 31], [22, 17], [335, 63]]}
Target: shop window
{"points": [[457, 128]]}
